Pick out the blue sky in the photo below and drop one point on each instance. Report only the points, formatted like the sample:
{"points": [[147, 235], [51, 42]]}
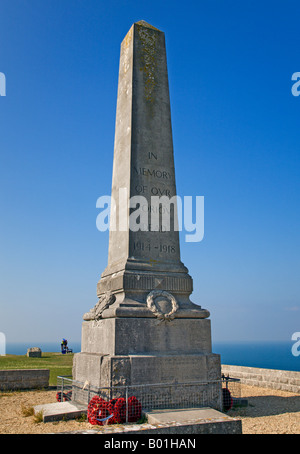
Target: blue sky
{"points": [[236, 142]]}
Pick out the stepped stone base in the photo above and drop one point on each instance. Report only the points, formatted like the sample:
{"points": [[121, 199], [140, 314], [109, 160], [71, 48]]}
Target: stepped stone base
{"points": [[185, 421], [134, 336], [132, 370], [134, 351]]}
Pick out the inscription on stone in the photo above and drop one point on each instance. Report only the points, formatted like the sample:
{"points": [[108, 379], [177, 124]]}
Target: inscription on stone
{"points": [[157, 173]]}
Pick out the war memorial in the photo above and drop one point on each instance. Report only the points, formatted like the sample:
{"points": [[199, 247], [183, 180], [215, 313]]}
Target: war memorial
{"points": [[145, 329], [146, 349]]}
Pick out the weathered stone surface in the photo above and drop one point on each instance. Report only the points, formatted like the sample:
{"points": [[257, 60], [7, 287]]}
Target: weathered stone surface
{"points": [[152, 332], [144, 260], [266, 378], [183, 421], [34, 352], [199, 374], [119, 336], [60, 410], [212, 426], [186, 416], [146, 369], [24, 379]]}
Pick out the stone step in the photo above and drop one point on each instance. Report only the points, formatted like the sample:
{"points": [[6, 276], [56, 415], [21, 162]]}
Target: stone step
{"points": [[203, 420], [60, 410], [169, 421]]}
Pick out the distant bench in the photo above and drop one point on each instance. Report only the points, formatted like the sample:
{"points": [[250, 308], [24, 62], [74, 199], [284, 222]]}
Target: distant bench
{"points": [[12, 379]]}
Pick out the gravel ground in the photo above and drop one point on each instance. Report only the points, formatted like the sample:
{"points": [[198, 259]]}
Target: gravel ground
{"points": [[268, 412]]}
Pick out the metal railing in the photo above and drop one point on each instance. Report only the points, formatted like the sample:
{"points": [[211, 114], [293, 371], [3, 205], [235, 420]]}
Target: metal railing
{"points": [[149, 396], [231, 392]]}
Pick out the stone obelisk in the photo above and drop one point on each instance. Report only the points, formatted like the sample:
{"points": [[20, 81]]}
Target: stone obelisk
{"points": [[144, 328]]}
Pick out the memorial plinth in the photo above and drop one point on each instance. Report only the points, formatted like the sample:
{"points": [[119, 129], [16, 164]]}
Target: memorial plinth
{"points": [[144, 328]]}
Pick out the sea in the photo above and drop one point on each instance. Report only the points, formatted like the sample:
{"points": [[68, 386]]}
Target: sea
{"points": [[267, 355]]}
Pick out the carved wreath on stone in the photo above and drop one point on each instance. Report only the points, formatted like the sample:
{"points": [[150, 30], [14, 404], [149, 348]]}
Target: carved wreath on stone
{"points": [[103, 303], [156, 311]]}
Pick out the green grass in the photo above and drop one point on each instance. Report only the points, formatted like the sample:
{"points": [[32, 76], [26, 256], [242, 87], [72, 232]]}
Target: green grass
{"points": [[57, 363]]}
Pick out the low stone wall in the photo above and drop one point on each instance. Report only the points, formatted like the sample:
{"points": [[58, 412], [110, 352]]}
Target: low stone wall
{"points": [[266, 378], [24, 379]]}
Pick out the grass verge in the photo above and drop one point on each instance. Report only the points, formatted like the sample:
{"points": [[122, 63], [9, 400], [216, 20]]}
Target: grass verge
{"points": [[57, 363]]}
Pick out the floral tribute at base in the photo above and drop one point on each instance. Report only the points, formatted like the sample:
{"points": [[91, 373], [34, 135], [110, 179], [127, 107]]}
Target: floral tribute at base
{"points": [[66, 396], [102, 412]]}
